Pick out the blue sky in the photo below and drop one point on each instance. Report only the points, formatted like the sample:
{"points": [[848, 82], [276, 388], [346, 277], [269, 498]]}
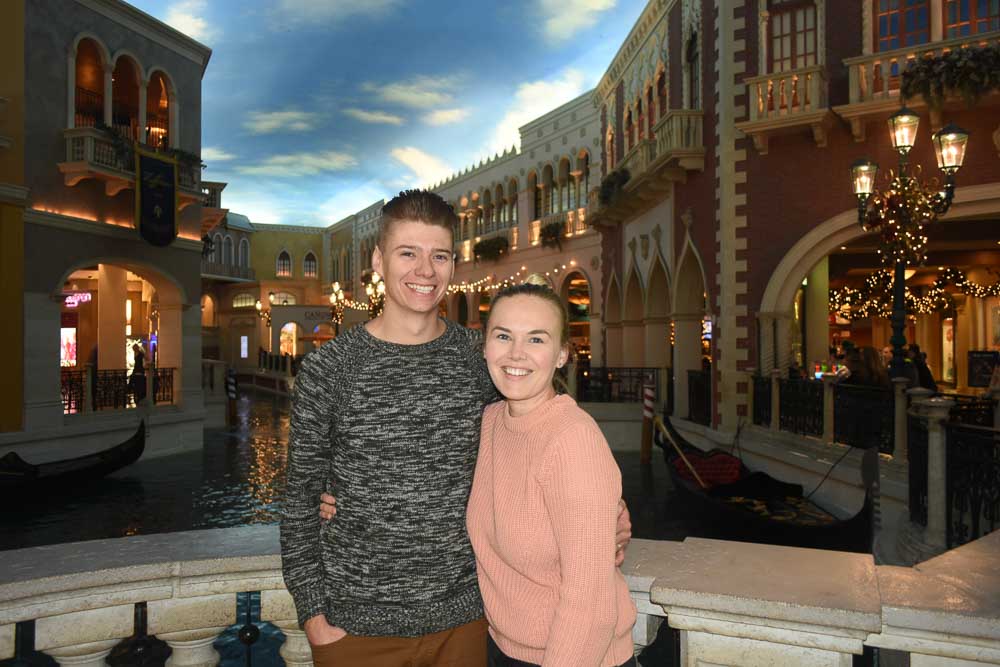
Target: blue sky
{"points": [[313, 109]]}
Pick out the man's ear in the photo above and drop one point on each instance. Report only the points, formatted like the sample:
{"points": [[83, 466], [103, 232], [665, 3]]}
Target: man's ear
{"points": [[377, 260]]}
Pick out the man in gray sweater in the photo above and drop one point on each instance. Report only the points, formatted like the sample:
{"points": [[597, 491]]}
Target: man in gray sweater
{"points": [[386, 417]]}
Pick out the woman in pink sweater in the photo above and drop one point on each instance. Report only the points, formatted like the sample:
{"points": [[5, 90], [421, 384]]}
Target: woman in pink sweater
{"points": [[544, 502]]}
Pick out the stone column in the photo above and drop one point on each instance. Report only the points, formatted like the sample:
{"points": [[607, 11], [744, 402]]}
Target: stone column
{"points": [[935, 411], [143, 89], [829, 380], [817, 314], [782, 340], [192, 648], [111, 294], [71, 89], [109, 71], [596, 341], [765, 328], [632, 343]]}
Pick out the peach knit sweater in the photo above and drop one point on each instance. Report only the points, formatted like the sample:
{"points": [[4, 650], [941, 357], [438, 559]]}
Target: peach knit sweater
{"points": [[541, 519]]}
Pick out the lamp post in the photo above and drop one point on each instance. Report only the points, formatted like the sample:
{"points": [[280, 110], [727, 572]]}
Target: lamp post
{"points": [[265, 314], [375, 289], [901, 210], [337, 303]]}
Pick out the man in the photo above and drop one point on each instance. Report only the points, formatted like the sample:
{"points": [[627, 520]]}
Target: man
{"points": [[386, 417]]}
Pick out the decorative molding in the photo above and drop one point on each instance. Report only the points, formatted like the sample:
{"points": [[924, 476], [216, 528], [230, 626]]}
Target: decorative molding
{"points": [[82, 225], [14, 194]]}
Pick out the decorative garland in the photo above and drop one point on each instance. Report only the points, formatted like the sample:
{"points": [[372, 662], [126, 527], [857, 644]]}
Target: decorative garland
{"points": [[612, 186], [551, 235], [874, 299], [900, 213], [491, 249], [970, 72]]}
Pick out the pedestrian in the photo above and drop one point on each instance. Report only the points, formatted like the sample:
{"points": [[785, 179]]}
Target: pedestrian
{"points": [[544, 500], [925, 378], [386, 417], [137, 381]]}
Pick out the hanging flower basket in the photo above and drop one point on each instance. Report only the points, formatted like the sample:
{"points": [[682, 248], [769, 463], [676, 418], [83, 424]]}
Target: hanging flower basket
{"points": [[612, 185], [551, 235], [969, 73], [491, 249]]}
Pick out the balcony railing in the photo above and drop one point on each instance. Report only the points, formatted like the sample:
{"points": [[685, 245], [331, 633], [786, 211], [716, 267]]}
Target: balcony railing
{"points": [[90, 153], [639, 158], [973, 482], [218, 269], [679, 134], [730, 602], [876, 77], [615, 385], [90, 390], [788, 94]]}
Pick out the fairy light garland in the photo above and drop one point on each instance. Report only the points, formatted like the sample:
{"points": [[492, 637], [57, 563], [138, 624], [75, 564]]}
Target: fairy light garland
{"points": [[900, 214], [874, 299]]}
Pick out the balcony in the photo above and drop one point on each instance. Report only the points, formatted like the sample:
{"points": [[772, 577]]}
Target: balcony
{"points": [[679, 137], [227, 272], [732, 602], [875, 78], [787, 102], [91, 154]]}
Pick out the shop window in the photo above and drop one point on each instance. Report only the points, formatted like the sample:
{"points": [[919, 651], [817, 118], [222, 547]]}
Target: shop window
{"points": [[244, 300]]}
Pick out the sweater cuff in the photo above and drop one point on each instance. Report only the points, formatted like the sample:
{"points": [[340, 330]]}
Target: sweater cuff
{"points": [[309, 602]]}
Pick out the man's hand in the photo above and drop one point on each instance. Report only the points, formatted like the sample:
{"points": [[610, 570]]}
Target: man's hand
{"points": [[623, 531], [319, 632], [328, 507]]}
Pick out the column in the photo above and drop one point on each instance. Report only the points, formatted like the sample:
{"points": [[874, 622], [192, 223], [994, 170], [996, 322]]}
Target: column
{"points": [[143, 90], [687, 356], [900, 406], [596, 341], [782, 340], [83, 655], [829, 379], [108, 90], [818, 314], [277, 607], [71, 89], [657, 341], [111, 294], [935, 411], [765, 327]]}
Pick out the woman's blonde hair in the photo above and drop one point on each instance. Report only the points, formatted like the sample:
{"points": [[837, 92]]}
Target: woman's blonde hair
{"points": [[537, 285]]}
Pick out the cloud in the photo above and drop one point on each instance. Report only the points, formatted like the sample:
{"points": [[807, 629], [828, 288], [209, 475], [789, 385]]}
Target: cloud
{"points": [[426, 168], [374, 116], [351, 199], [423, 92], [534, 99], [562, 19], [446, 116], [293, 165], [332, 11], [187, 16], [292, 120], [215, 154]]}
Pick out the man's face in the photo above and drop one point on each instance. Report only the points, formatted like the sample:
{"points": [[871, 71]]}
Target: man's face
{"points": [[416, 262]]}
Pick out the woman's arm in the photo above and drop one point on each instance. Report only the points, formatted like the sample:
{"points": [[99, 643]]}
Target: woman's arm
{"points": [[582, 485]]}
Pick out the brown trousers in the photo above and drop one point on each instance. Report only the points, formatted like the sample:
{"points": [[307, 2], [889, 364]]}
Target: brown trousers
{"points": [[464, 646]]}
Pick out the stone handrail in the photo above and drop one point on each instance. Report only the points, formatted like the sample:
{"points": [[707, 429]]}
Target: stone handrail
{"points": [[736, 603], [640, 157], [680, 131], [872, 76], [785, 94]]}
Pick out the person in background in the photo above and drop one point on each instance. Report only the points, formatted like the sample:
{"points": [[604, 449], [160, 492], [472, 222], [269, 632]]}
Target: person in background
{"points": [[544, 499], [137, 381], [925, 378]]}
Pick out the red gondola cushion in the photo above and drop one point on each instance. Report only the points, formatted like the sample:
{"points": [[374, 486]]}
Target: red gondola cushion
{"points": [[714, 469]]}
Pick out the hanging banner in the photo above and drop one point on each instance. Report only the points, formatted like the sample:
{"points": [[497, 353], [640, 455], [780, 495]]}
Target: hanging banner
{"points": [[156, 197]]}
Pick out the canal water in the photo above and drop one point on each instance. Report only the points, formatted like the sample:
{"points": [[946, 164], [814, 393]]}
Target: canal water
{"points": [[237, 479]]}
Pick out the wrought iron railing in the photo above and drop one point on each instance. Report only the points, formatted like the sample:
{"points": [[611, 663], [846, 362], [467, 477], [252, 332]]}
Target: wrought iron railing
{"points": [[801, 407], [700, 396], [761, 400], [863, 417], [89, 109], [72, 389], [916, 448], [973, 478], [615, 385], [972, 410], [163, 385], [111, 389], [227, 270]]}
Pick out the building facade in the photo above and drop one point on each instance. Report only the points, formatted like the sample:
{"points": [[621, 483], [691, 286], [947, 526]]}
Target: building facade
{"points": [[92, 288]]}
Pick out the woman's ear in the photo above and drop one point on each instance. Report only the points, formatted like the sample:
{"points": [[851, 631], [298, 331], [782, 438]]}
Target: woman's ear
{"points": [[563, 358]]}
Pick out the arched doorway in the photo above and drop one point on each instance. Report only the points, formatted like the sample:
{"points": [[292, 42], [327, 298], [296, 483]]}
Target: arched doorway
{"points": [[288, 339], [633, 345], [576, 295], [208, 311], [125, 84], [88, 108], [688, 316], [657, 326]]}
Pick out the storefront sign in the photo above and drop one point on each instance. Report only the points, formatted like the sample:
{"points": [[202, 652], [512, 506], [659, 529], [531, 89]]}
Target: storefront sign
{"points": [[74, 299], [156, 197]]}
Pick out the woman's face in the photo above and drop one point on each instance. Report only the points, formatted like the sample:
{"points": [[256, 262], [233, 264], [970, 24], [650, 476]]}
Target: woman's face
{"points": [[523, 350]]}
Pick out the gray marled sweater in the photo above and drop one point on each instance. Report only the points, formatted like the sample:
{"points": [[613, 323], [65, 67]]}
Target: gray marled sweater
{"points": [[392, 431]]}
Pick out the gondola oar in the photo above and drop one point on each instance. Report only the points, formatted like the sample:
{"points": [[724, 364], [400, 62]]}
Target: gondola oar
{"points": [[666, 434]]}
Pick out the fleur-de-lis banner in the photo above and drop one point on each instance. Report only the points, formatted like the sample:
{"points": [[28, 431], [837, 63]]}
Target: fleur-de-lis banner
{"points": [[156, 197]]}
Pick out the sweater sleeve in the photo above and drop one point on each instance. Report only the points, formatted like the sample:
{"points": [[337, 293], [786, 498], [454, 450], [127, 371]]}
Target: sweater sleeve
{"points": [[308, 462], [581, 484]]}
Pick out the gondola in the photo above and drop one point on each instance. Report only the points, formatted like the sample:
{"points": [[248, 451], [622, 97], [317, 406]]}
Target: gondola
{"points": [[754, 507], [19, 476]]}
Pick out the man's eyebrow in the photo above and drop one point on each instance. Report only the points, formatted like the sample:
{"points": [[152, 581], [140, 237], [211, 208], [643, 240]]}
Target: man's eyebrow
{"points": [[405, 246]]}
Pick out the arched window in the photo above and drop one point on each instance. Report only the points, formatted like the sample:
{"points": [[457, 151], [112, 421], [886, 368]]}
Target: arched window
{"points": [[650, 112], [629, 131], [158, 93], [245, 253], [227, 251], [244, 300], [512, 201], [309, 265], [642, 119], [125, 97], [88, 110], [283, 267], [536, 196], [217, 249], [284, 299], [661, 94]]}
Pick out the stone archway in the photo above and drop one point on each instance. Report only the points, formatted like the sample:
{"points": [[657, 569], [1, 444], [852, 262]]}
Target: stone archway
{"points": [[689, 312], [633, 343], [576, 295], [657, 320]]}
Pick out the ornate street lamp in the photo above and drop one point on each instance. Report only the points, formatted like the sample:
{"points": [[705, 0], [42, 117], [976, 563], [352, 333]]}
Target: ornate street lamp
{"points": [[375, 289], [901, 211], [265, 314], [337, 304]]}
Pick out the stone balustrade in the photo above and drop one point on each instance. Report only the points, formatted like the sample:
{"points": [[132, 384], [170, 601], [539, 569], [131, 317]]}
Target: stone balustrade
{"points": [[734, 603]]}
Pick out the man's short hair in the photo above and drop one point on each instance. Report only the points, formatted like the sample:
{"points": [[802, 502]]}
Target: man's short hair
{"points": [[420, 206]]}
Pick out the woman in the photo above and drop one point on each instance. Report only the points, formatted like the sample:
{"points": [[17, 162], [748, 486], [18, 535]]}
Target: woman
{"points": [[544, 500]]}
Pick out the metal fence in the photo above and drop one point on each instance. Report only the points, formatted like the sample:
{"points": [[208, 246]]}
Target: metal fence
{"points": [[916, 447], [864, 416], [111, 389], [605, 384], [973, 478], [72, 389], [163, 386], [700, 396], [971, 410], [762, 400], [801, 406]]}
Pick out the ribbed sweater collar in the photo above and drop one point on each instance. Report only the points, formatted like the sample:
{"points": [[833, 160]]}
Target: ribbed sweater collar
{"points": [[534, 419], [386, 347]]}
